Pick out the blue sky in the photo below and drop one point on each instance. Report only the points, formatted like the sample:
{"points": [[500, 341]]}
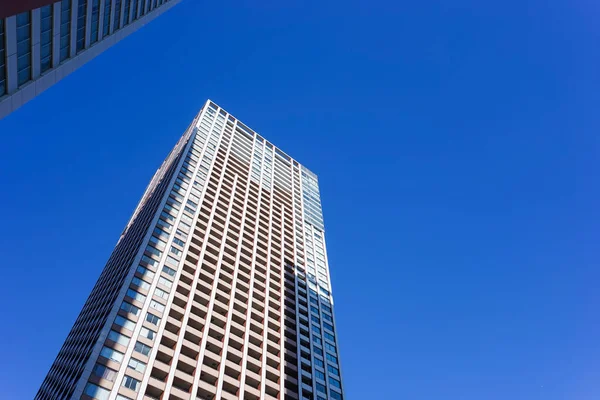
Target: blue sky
{"points": [[457, 149]]}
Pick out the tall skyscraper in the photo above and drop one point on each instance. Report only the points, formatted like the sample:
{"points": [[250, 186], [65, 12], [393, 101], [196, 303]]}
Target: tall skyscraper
{"points": [[40, 46], [218, 287]]}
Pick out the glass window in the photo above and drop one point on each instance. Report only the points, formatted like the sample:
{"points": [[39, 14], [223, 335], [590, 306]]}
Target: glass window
{"points": [[118, 338], [135, 295], [321, 388], [318, 363], [23, 47], [126, 12], [333, 370], [335, 395], [65, 29], [142, 348], [131, 383], [130, 308], [332, 358], [2, 59], [125, 323], [169, 271], [134, 10], [147, 333], [106, 21], [96, 392], [117, 21], [154, 251], [149, 261], [81, 15], [164, 224], [161, 293], [172, 261], [146, 273], [329, 336], [111, 354], [46, 22], [157, 306], [156, 242], [95, 21], [153, 319], [167, 216], [137, 365], [138, 282], [320, 375], [164, 281], [334, 383], [330, 347], [160, 233], [103, 372], [181, 234]]}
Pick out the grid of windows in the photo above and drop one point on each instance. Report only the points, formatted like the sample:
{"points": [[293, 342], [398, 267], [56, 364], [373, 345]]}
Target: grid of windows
{"points": [[134, 10], [46, 19], [101, 371], [81, 26], [85, 17], [106, 20], [223, 298], [67, 368], [2, 59], [117, 21], [131, 383], [65, 29], [23, 47], [95, 21], [126, 13], [96, 392]]}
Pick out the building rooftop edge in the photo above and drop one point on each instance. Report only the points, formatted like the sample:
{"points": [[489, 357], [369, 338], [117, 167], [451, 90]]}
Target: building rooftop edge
{"points": [[304, 168]]}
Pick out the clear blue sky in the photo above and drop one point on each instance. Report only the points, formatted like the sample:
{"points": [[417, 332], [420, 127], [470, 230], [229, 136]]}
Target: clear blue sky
{"points": [[457, 148]]}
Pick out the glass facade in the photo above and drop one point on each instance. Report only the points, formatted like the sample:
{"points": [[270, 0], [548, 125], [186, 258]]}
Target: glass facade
{"points": [[65, 29], [95, 21], [117, 21], [134, 10], [61, 31], [231, 279], [126, 12], [106, 21], [23, 47], [2, 59], [47, 19], [81, 26]]}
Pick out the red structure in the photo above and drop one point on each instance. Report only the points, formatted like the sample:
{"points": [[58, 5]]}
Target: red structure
{"points": [[12, 7]]}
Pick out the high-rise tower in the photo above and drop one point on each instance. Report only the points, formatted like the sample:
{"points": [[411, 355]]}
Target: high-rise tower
{"points": [[219, 286], [46, 40]]}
